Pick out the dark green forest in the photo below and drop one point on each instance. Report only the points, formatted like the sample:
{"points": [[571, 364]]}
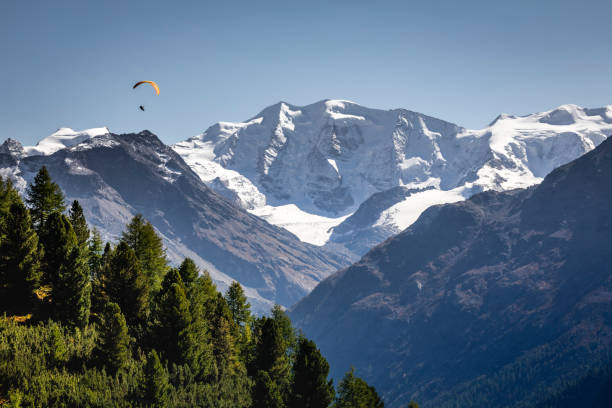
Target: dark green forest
{"points": [[92, 324]]}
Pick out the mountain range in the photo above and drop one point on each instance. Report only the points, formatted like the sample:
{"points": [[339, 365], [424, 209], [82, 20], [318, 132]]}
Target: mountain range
{"points": [[495, 301], [338, 172], [117, 176], [284, 199]]}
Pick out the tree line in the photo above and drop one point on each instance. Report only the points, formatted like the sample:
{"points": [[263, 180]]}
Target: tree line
{"points": [[93, 324]]}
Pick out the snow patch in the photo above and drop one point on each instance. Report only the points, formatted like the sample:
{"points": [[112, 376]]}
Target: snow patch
{"points": [[61, 139]]}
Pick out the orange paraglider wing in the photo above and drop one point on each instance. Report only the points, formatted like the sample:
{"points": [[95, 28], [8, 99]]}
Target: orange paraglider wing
{"points": [[153, 84]]}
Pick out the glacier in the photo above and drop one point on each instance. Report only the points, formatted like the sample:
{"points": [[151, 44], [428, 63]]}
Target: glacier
{"points": [[309, 168]]}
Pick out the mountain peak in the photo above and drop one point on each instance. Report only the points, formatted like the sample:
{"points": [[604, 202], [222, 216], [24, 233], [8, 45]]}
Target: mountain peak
{"points": [[62, 138], [12, 147]]}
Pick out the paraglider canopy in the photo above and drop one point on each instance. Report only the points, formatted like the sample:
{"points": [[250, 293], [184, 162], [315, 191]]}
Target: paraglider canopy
{"points": [[153, 84]]}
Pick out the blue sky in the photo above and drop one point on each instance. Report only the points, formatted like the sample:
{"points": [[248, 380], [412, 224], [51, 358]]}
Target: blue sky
{"points": [[72, 63]]}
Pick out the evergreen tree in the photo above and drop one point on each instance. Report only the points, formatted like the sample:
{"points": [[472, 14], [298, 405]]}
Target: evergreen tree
{"points": [[353, 392], [79, 224], [72, 291], [271, 354], [156, 385], [189, 271], [223, 333], [95, 252], [148, 247], [183, 338], [241, 314], [311, 389], [266, 392], [113, 341], [20, 272], [44, 198], [58, 239], [286, 328], [172, 317], [238, 305], [8, 196], [125, 284]]}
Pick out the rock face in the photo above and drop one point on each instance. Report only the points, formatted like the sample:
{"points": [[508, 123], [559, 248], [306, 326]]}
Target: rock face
{"points": [[308, 168], [116, 176], [492, 301]]}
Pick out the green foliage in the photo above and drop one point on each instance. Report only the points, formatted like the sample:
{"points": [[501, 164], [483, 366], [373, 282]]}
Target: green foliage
{"points": [[20, 272], [94, 254], [124, 283], [353, 392], [58, 239], [156, 385], [172, 318], [413, 404], [72, 291], [238, 304], [113, 344], [311, 388], [189, 271], [267, 393], [157, 337], [44, 198], [79, 224], [8, 197], [149, 249]]}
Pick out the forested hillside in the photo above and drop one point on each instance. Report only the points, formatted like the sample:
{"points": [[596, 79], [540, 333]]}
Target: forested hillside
{"points": [[114, 325]]}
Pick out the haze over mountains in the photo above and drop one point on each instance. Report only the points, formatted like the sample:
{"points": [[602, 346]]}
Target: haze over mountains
{"points": [[335, 171], [495, 301]]}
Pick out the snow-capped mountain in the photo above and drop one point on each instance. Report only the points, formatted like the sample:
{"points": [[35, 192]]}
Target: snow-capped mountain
{"points": [[115, 177], [311, 169]]}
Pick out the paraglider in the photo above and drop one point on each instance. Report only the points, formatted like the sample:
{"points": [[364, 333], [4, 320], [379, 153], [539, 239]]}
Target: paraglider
{"points": [[153, 84]]}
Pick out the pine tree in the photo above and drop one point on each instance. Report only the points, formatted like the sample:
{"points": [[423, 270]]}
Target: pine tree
{"points": [[189, 271], [182, 337], [156, 384], [8, 196], [113, 341], [20, 272], [149, 249], [241, 314], [271, 354], [311, 389], [172, 317], [44, 198], [58, 239], [72, 291], [79, 224], [95, 252], [238, 304], [353, 392], [124, 283], [266, 392]]}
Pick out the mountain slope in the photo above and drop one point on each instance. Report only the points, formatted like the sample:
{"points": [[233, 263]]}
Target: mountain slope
{"points": [[308, 168], [492, 301], [117, 176]]}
